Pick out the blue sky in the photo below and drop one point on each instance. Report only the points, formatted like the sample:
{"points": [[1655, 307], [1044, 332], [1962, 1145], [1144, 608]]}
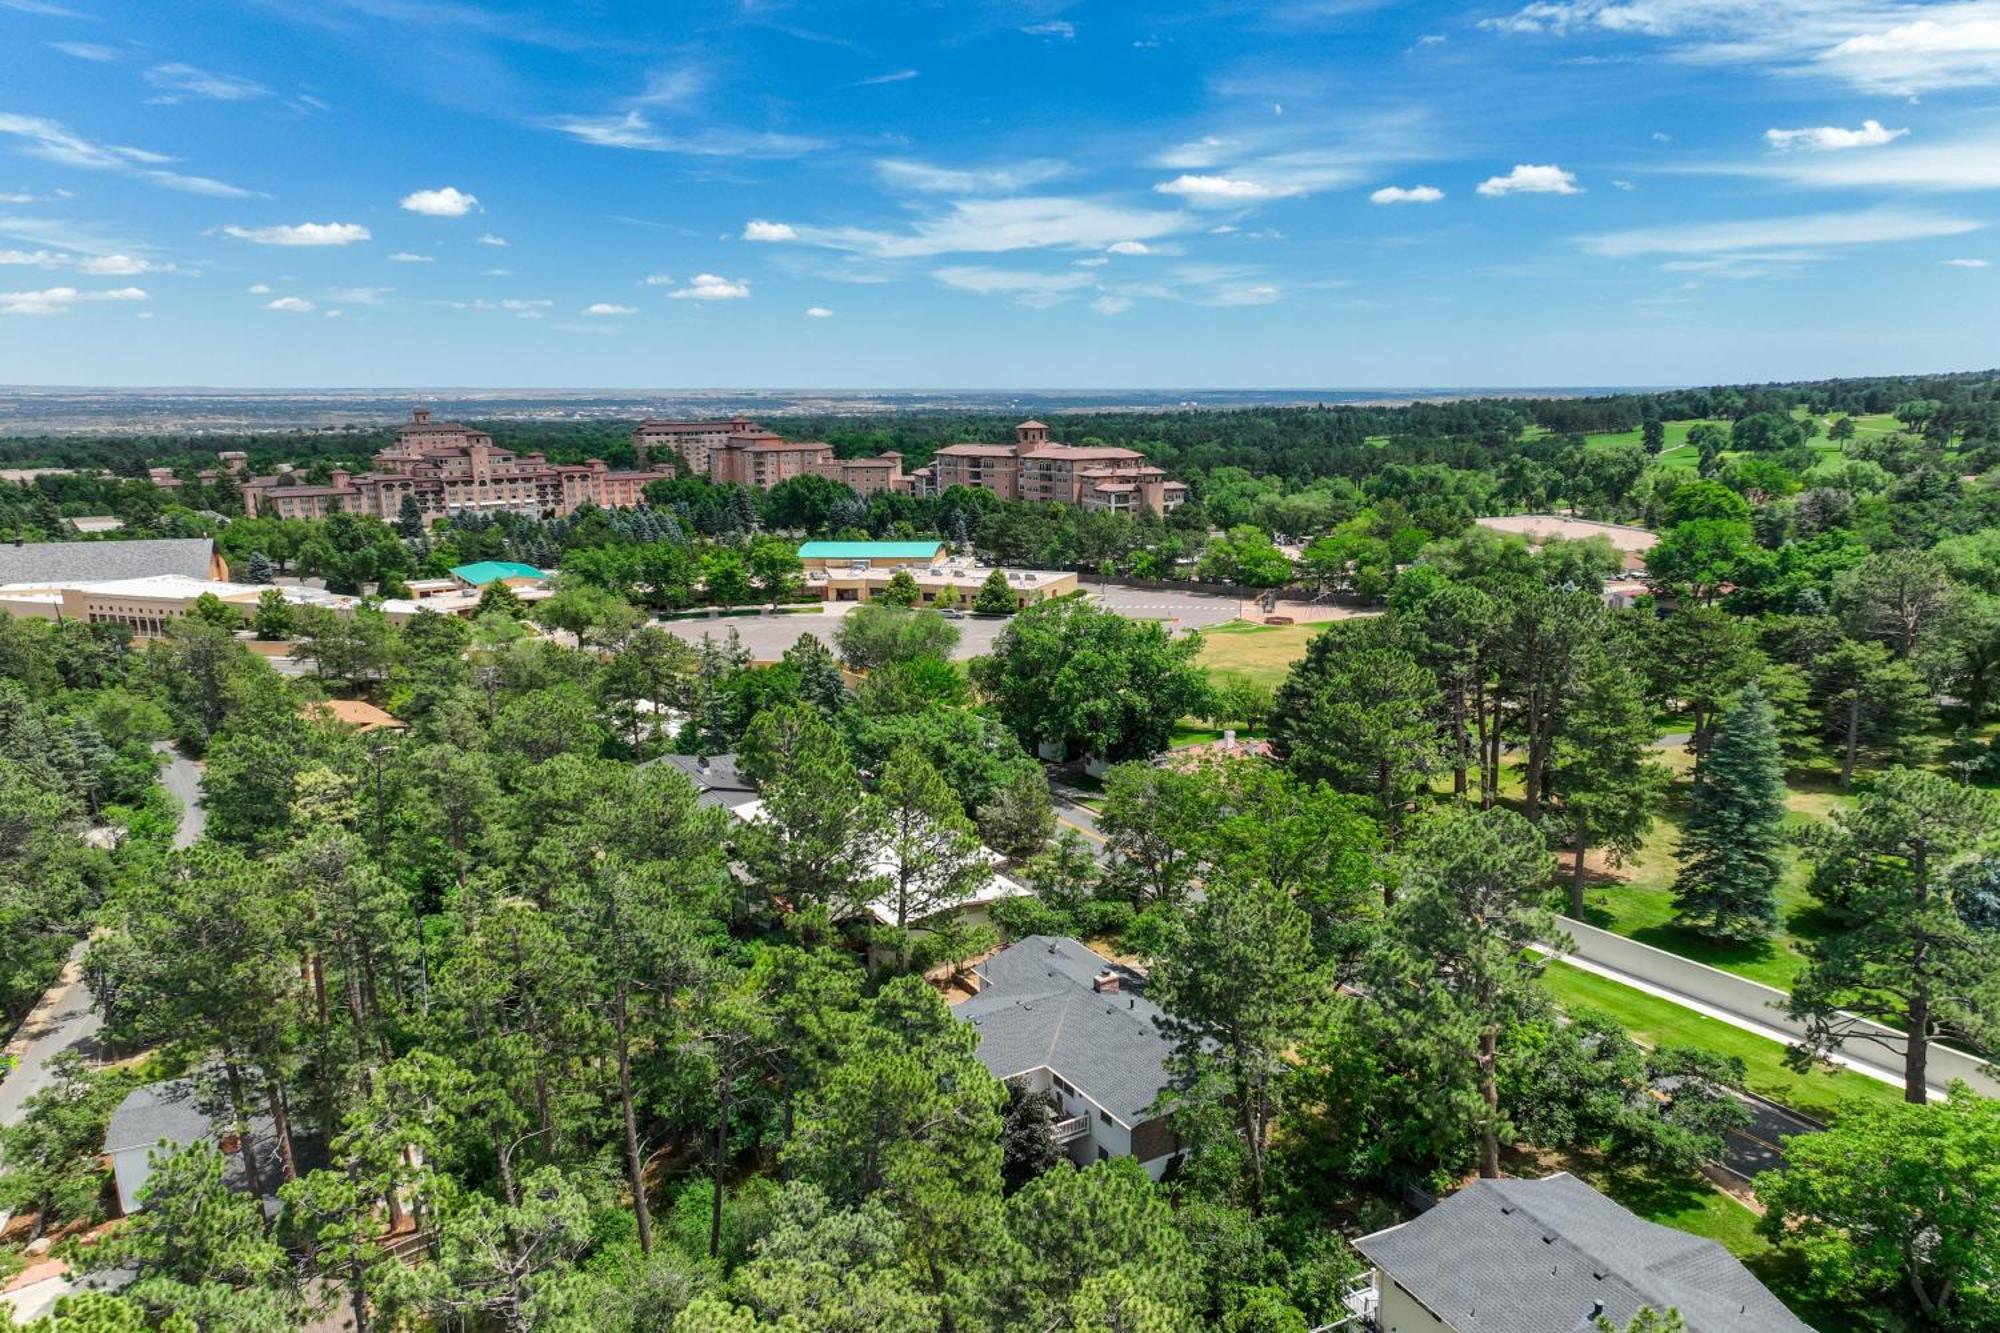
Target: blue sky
{"points": [[1324, 193]]}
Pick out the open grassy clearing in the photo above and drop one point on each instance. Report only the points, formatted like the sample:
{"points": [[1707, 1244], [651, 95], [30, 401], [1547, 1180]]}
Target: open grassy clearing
{"points": [[1260, 654], [1658, 1022], [1636, 900]]}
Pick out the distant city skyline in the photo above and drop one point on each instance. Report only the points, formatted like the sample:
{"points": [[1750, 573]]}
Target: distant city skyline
{"points": [[1216, 193]]}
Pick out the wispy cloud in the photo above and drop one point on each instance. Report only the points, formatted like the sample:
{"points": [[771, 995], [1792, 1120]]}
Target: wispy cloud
{"points": [[1968, 263], [102, 266], [898, 76], [301, 234], [1971, 163], [59, 300], [405, 257], [927, 178], [178, 82], [291, 305], [633, 129], [994, 226], [818, 312], [1902, 47], [103, 55], [359, 295], [1060, 29], [52, 141], [488, 238], [444, 202], [609, 310], [1867, 227], [1833, 138], [1219, 189], [1527, 178], [710, 287], [1037, 290]]}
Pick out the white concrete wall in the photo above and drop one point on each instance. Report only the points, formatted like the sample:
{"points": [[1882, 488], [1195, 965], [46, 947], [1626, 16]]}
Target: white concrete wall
{"points": [[1761, 1004]]}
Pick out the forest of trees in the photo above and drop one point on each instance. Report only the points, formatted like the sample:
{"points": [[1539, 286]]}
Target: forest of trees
{"points": [[593, 1055]]}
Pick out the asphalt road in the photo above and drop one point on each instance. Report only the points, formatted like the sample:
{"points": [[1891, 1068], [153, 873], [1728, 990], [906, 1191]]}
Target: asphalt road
{"points": [[1759, 1145]]}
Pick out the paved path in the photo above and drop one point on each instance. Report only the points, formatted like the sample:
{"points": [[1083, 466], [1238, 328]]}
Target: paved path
{"points": [[1072, 813], [62, 1021], [183, 778]]}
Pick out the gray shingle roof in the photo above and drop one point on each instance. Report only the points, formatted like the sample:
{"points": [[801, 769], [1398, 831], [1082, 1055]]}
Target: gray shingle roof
{"points": [[1038, 1010], [715, 778], [171, 1112], [90, 562], [1538, 1256]]}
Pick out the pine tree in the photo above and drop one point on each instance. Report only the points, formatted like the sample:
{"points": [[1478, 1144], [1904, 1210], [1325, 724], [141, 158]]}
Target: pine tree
{"points": [[1729, 853], [409, 519], [261, 570], [1603, 770]]}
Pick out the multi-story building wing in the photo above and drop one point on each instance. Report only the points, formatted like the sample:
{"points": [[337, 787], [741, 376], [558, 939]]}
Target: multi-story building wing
{"points": [[689, 442], [1039, 469], [449, 468]]}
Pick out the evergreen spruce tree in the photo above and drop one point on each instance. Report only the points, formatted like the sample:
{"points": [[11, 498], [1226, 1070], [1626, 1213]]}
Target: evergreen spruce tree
{"points": [[260, 570], [409, 519], [1729, 853]]}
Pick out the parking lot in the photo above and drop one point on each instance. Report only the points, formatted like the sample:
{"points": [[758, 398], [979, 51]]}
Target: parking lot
{"points": [[767, 636]]}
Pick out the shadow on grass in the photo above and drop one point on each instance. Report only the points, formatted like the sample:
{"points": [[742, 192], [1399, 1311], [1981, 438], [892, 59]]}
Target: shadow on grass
{"points": [[1691, 943]]}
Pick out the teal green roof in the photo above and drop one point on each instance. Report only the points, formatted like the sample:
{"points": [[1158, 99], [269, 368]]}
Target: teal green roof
{"points": [[869, 550], [491, 571]]}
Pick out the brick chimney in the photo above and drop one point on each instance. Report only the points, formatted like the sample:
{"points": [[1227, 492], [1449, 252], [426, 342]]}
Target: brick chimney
{"points": [[1106, 983]]}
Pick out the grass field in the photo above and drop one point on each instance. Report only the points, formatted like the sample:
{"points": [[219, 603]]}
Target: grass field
{"points": [[1637, 900], [1261, 654], [1658, 1022]]}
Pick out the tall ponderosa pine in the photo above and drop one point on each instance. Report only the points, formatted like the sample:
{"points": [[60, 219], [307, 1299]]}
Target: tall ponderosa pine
{"points": [[1603, 770], [1732, 841]]}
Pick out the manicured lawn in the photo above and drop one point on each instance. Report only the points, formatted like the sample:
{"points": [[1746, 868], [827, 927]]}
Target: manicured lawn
{"points": [[1636, 901], [1261, 654], [1677, 435], [1658, 1022]]}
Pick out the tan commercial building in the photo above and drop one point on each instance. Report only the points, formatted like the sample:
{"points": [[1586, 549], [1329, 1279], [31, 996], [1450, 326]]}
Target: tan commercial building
{"points": [[449, 468], [688, 442], [860, 571], [1039, 469]]}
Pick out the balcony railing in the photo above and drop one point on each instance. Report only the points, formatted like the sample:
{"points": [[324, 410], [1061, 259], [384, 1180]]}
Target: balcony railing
{"points": [[1072, 1129]]}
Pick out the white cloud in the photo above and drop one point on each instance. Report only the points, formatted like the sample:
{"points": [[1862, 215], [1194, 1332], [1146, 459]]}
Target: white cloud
{"points": [[258, 289], [896, 76], [759, 230], [1529, 179], [1059, 28], [52, 141], [930, 179], [489, 238], [1832, 138], [445, 202], [103, 55], [304, 233], [993, 226], [1968, 263], [496, 272], [1953, 164], [1033, 289], [1111, 305], [177, 81], [1877, 46], [1128, 248], [405, 257], [607, 309], [1415, 194], [335, 314], [630, 129], [359, 295], [58, 300], [818, 312], [1867, 227], [1208, 151], [294, 305], [1255, 294], [114, 265], [657, 280], [1622, 184], [102, 266], [710, 287], [1094, 261], [1217, 189]]}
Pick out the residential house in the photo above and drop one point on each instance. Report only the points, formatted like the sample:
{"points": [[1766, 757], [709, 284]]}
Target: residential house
{"points": [[162, 1117], [1057, 1017], [1554, 1256]]}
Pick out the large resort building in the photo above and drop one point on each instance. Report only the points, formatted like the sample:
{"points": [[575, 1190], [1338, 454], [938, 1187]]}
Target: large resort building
{"points": [[1033, 467], [448, 468]]}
